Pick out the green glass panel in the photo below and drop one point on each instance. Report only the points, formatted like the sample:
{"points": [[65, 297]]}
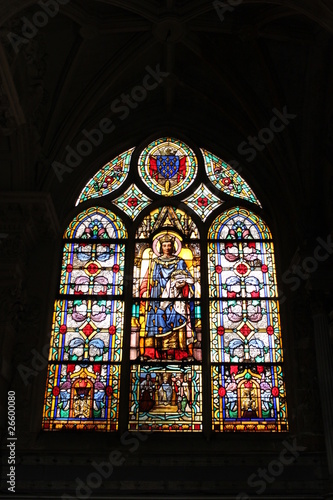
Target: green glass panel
{"points": [[225, 178], [107, 179]]}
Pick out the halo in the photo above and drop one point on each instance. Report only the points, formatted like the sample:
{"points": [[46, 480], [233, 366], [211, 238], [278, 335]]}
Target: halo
{"points": [[156, 239]]}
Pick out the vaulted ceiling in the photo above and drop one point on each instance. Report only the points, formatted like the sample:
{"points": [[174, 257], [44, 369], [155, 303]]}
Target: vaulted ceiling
{"points": [[228, 70]]}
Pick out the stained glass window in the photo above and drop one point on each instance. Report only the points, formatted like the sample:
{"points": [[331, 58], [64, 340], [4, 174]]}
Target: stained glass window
{"points": [[166, 392], [154, 322], [246, 351], [108, 178], [83, 381]]}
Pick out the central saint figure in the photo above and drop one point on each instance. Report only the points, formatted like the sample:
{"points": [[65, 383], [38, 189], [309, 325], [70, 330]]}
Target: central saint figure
{"points": [[169, 329]]}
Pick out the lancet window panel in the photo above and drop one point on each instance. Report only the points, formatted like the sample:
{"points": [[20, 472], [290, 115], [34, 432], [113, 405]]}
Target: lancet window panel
{"points": [[248, 391], [85, 357], [166, 329]]}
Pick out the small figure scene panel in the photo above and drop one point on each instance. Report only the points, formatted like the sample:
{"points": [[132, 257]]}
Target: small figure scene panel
{"points": [[82, 397], [248, 398], [166, 398]]}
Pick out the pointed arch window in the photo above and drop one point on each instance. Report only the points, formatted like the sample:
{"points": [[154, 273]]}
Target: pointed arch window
{"points": [[87, 333], [166, 326], [202, 302], [246, 352]]}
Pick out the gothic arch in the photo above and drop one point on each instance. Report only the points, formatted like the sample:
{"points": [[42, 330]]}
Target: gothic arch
{"points": [[195, 267]]}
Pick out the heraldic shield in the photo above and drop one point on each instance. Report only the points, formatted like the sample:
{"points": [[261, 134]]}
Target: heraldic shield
{"points": [[168, 167]]}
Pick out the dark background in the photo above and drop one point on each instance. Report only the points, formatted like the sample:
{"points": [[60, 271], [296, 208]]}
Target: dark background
{"points": [[228, 70]]}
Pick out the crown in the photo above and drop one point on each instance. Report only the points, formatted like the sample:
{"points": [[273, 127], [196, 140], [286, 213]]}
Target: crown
{"points": [[167, 238]]}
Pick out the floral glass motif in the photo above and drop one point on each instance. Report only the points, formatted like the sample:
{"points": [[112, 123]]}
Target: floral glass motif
{"points": [[132, 202], [225, 178], [166, 324], [92, 269], [85, 357], [108, 178], [203, 202], [96, 223], [168, 166], [246, 349]]}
